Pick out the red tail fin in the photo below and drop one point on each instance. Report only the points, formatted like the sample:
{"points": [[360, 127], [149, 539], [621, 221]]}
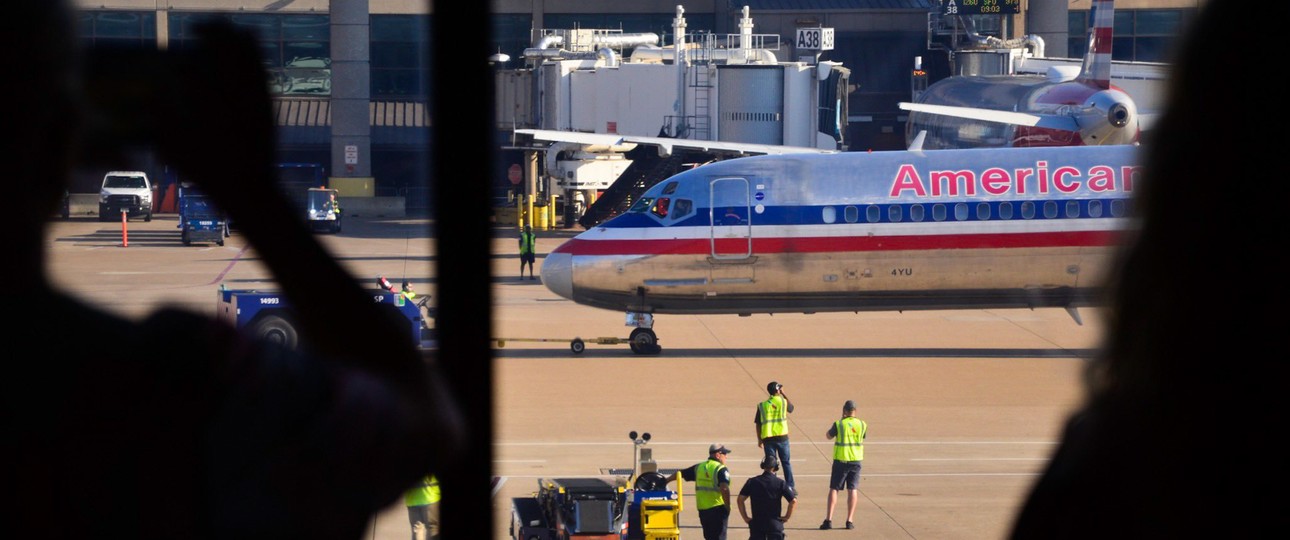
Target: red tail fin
{"points": [[1097, 61]]}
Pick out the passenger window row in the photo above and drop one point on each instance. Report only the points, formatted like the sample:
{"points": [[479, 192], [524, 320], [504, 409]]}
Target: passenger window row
{"points": [[982, 211]]}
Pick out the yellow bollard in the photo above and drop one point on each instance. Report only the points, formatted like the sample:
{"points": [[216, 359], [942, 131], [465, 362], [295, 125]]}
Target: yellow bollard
{"points": [[539, 219]]}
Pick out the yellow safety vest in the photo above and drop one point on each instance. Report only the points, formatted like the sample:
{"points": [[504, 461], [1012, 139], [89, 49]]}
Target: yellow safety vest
{"points": [[774, 417], [707, 491], [848, 445], [526, 243], [426, 493]]}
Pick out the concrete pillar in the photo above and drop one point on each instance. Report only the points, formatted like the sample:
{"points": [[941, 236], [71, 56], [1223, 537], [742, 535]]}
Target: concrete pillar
{"points": [[531, 175], [163, 26], [351, 130], [1047, 19]]}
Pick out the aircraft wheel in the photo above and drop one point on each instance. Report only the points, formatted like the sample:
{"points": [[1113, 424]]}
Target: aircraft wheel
{"points": [[183, 237], [643, 341], [577, 346]]}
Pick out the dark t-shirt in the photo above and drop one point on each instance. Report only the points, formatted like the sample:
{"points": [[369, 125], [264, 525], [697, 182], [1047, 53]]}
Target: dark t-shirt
{"points": [[766, 493], [179, 426]]}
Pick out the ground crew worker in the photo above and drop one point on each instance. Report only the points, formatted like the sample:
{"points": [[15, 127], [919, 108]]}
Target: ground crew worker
{"points": [[767, 491], [579, 204], [333, 203], [527, 253], [772, 428], [711, 491], [422, 501], [848, 435]]}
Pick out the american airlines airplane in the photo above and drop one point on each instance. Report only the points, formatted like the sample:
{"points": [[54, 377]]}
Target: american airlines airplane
{"points": [[857, 231], [1060, 109]]}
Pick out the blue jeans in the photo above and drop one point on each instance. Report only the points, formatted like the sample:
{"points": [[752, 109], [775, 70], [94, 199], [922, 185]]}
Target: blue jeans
{"points": [[779, 449]]}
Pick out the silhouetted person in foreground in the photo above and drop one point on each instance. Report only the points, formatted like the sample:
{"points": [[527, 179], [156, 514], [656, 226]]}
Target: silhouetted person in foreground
{"points": [[177, 425], [1181, 433]]}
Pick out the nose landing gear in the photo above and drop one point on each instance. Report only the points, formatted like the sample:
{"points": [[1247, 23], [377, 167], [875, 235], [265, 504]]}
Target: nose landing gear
{"points": [[642, 339]]}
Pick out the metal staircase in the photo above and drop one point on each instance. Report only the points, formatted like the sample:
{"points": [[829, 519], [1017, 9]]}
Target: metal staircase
{"points": [[647, 169]]}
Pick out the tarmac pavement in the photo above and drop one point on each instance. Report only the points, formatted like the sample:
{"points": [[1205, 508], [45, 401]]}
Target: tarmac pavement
{"points": [[963, 407]]}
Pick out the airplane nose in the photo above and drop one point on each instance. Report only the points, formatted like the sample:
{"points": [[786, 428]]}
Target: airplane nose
{"points": [[557, 274]]}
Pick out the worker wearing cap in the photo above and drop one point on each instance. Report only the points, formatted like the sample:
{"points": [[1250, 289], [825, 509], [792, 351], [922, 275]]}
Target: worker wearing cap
{"points": [[848, 435], [711, 491], [767, 492], [527, 250], [772, 428], [422, 501]]}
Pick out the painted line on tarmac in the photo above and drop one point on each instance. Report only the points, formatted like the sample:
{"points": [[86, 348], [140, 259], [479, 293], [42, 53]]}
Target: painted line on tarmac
{"points": [[983, 459], [498, 482], [236, 258]]}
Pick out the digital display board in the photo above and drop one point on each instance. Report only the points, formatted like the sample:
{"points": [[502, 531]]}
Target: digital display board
{"points": [[981, 7]]}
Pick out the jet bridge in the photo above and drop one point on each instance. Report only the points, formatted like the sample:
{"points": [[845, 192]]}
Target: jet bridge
{"points": [[719, 90]]}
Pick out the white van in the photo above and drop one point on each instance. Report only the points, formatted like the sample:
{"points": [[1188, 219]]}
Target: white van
{"points": [[125, 191]]}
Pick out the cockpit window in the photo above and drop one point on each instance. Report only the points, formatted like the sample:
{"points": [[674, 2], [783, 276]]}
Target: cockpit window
{"points": [[671, 188], [642, 205], [682, 208], [661, 206]]}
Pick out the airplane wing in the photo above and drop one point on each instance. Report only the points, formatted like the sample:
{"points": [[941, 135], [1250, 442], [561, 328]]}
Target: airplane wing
{"points": [[1062, 122], [667, 144], [972, 113], [576, 137]]}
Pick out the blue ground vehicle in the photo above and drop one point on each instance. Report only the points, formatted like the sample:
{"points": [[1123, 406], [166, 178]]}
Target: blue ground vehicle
{"points": [[267, 314], [200, 220]]}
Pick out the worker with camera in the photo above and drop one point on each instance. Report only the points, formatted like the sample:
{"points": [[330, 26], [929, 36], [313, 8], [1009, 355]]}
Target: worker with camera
{"points": [[772, 428]]}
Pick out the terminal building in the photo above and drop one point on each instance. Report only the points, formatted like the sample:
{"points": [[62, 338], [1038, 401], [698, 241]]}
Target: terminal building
{"points": [[352, 80]]}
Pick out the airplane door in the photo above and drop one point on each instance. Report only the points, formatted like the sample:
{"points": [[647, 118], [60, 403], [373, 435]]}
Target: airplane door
{"points": [[731, 221], [730, 262]]}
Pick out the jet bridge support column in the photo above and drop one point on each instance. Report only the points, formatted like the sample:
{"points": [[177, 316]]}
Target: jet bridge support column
{"points": [[530, 189]]}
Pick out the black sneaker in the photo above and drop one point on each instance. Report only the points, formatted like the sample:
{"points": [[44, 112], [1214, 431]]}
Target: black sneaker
{"points": [[826, 525], [851, 525]]}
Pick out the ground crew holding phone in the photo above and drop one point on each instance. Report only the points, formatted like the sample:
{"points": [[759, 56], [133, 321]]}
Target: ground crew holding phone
{"points": [[772, 428]]}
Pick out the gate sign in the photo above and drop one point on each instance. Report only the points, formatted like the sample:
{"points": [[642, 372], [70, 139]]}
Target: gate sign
{"points": [[981, 7], [818, 39]]}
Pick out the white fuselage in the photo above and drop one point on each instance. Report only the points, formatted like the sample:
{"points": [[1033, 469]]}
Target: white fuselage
{"points": [[941, 229]]}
